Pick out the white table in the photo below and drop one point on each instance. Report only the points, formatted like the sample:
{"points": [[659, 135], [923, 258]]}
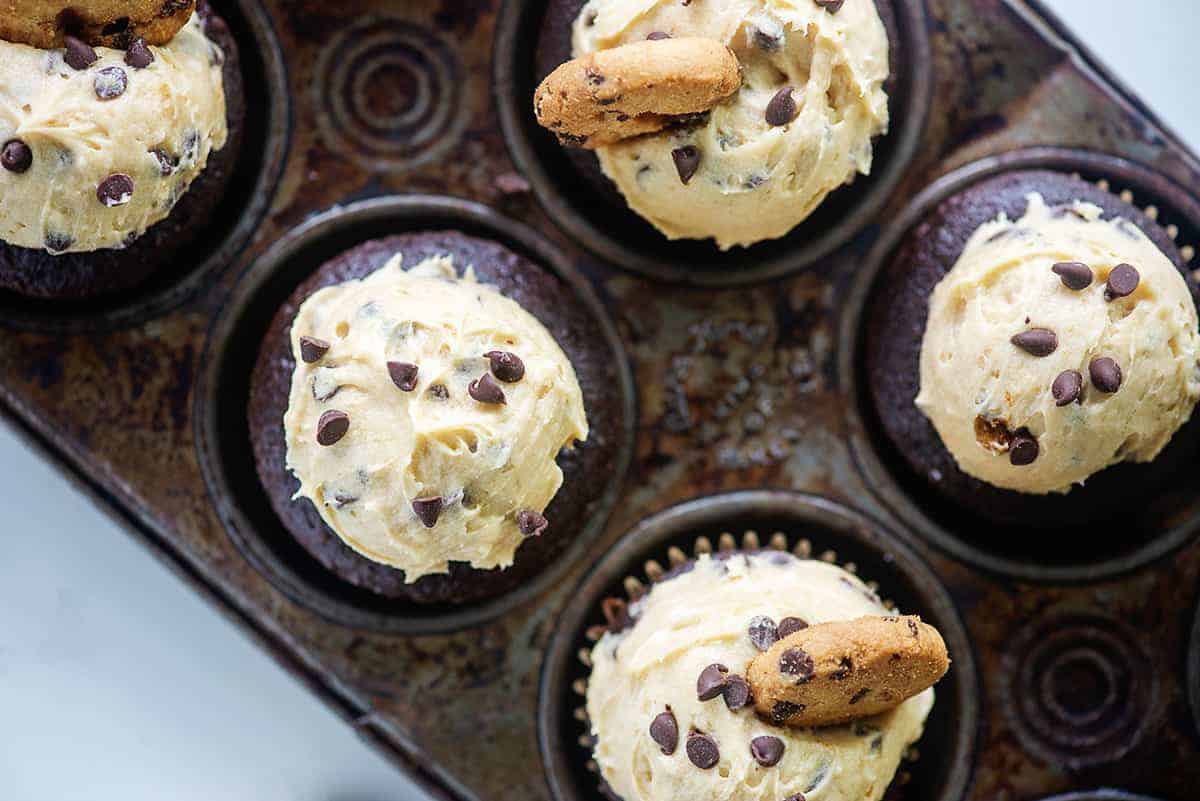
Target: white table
{"points": [[117, 682]]}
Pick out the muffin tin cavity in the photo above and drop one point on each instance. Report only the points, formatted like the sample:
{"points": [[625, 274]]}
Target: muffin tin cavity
{"points": [[1075, 549], [806, 525], [580, 200], [223, 429], [264, 143]]}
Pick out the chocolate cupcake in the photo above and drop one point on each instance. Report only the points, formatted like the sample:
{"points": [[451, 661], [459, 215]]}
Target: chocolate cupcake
{"points": [[1032, 351], [118, 157], [751, 166], [757, 675], [419, 416]]}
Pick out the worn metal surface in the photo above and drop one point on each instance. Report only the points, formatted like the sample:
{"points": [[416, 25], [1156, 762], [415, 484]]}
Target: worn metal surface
{"points": [[1083, 684]]}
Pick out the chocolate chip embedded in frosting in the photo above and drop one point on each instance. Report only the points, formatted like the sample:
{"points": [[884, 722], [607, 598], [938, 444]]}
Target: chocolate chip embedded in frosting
{"points": [[1066, 387], [763, 632], [166, 162], [657, 36], [485, 390], [139, 55], [795, 797], [110, 83], [790, 625], [1122, 281], [428, 509], [1024, 449], [712, 682], [115, 190], [766, 750], [1075, 275], [78, 54], [687, 161], [736, 693], [832, 6], [782, 107], [1106, 374], [665, 731], [403, 375], [332, 426], [312, 349], [16, 156], [531, 523], [1038, 342], [506, 366], [702, 750], [796, 662], [439, 391]]}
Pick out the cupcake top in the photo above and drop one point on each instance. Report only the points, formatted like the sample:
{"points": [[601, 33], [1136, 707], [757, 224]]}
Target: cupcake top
{"points": [[425, 415], [1058, 345], [99, 144], [648, 681], [759, 163]]}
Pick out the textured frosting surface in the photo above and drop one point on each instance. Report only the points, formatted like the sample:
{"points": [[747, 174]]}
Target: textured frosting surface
{"points": [[158, 131], [700, 618], [488, 462], [1002, 285], [755, 181]]}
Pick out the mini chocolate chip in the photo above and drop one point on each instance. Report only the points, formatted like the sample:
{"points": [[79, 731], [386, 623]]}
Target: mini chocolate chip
{"points": [[790, 625], [782, 108], [858, 696], [687, 161], [57, 242], [1023, 451], [844, 669], [110, 83], [1106, 374], [332, 426], [506, 366], [439, 391], [1066, 387], [1122, 281], [665, 731], [115, 190], [1074, 274], [702, 751], [485, 390], [766, 750], [139, 56], [403, 375], [16, 156], [763, 632], [312, 349], [1038, 342], [767, 42], [795, 797], [531, 523], [782, 710], [656, 36], [796, 662], [166, 162], [736, 693], [77, 53], [712, 682], [832, 6], [428, 509]]}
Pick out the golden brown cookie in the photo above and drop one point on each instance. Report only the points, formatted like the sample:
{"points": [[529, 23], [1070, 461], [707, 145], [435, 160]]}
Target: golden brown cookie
{"points": [[832, 673], [634, 89], [100, 23]]}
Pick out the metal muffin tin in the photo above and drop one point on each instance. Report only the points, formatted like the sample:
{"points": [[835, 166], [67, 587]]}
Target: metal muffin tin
{"points": [[1084, 673]]}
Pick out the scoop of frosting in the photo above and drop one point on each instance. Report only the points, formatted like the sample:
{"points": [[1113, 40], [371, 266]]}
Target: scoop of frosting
{"points": [[98, 152], [425, 415], [801, 126], [719, 613], [1058, 345]]}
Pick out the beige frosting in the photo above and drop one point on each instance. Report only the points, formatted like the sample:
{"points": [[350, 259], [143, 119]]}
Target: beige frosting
{"points": [[176, 105], [755, 181], [970, 369], [488, 462], [700, 618]]}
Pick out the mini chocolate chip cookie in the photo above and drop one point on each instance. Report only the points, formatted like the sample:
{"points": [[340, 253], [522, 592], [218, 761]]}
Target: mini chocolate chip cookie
{"points": [[100, 23]]}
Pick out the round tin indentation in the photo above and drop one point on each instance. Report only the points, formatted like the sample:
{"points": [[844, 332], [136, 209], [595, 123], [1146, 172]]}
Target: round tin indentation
{"points": [[951, 732], [1079, 689], [1147, 532], [265, 135], [605, 225], [388, 94], [223, 438]]}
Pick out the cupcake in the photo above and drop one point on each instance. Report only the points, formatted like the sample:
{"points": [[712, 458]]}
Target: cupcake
{"points": [[759, 675], [419, 416], [114, 151], [701, 153], [1033, 350]]}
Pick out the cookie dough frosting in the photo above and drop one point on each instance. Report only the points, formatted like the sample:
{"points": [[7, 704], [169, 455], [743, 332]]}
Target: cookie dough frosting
{"points": [[415, 447], [1058, 344], [104, 152], [704, 617], [762, 169]]}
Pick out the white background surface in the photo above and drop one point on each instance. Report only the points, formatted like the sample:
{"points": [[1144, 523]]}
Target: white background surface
{"points": [[116, 682]]}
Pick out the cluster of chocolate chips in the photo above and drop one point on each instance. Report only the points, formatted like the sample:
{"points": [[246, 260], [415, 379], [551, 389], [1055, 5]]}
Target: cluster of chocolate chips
{"points": [[1104, 372], [715, 680]]}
